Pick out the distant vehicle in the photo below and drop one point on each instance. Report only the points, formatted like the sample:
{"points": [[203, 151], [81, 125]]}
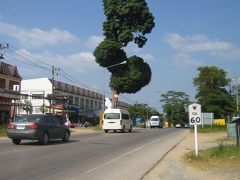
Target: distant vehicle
{"points": [[42, 127], [117, 119], [87, 124], [178, 125], [155, 121]]}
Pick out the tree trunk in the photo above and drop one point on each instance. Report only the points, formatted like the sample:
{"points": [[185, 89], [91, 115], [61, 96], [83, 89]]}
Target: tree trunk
{"points": [[114, 99]]}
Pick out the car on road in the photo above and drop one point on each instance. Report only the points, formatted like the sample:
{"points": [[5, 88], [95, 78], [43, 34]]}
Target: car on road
{"points": [[41, 127], [178, 125], [156, 121], [117, 119]]}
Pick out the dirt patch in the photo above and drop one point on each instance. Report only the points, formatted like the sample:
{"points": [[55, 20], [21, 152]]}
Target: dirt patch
{"points": [[78, 130]]}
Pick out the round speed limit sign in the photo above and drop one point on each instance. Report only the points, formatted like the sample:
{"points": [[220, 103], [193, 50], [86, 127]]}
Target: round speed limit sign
{"points": [[195, 114]]}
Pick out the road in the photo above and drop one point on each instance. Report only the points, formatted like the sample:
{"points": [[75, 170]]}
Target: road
{"points": [[90, 156]]}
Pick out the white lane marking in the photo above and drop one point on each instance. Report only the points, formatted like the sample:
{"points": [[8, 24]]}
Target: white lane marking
{"points": [[121, 156]]}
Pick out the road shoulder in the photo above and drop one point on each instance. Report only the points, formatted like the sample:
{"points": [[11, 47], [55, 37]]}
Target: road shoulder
{"points": [[172, 165]]}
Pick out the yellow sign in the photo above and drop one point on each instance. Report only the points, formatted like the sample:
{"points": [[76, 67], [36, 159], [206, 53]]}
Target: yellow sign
{"points": [[219, 122]]}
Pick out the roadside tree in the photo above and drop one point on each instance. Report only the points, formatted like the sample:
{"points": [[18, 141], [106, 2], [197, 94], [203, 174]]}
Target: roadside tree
{"points": [[142, 111], [126, 21], [175, 106], [212, 94]]}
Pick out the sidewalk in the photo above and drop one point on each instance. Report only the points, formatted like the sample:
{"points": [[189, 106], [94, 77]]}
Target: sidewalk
{"points": [[82, 130], [172, 167]]}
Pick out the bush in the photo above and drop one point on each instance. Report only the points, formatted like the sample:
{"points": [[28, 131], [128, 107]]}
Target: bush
{"points": [[3, 129]]}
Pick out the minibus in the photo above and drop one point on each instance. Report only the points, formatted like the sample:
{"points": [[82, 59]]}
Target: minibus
{"points": [[156, 121], [117, 119]]}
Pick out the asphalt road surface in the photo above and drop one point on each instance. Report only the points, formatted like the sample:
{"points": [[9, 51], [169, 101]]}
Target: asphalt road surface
{"points": [[90, 156]]}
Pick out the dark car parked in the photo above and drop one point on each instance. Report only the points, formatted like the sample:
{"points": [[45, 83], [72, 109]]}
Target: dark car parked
{"points": [[42, 127]]}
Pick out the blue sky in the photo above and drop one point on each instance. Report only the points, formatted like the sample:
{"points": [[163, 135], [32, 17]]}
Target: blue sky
{"points": [[187, 34]]}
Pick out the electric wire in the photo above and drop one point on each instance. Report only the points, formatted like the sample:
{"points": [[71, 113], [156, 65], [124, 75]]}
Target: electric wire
{"points": [[26, 59], [33, 63]]}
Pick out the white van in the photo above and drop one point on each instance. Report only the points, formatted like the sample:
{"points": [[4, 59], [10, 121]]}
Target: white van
{"points": [[156, 121], [117, 119]]}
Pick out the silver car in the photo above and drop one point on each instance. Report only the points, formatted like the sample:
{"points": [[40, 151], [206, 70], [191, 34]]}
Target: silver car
{"points": [[42, 127]]}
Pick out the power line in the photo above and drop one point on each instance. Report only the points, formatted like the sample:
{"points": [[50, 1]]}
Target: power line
{"points": [[32, 62], [29, 60]]}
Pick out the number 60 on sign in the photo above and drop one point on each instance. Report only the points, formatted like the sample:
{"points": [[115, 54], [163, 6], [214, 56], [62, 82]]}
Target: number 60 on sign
{"points": [[195, 115]]}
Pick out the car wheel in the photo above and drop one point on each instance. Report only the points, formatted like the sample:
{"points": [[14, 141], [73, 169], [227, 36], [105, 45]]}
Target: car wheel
{"points": [[130, 130], [45, 138], [66, 137], [123, 130], [106, 131], [16, 141]]}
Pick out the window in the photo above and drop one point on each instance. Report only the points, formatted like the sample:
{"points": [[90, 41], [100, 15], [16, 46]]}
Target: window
{"points": [[71, 99], [87, 103], [37, 96], [24, 96], [11, 85], [95, 105], [52, 120], [111, 116], [125, 116], [99, 105], [82, 102], [91, 104], [2, 83], [77, 101], [37, 110]]}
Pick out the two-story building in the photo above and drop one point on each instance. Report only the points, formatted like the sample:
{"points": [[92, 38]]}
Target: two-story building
{"points": [[10, 81], [120, 104], [47, 96]]}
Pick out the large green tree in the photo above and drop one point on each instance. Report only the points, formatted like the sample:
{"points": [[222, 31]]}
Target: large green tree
{"points": [[126, 21], [175, 106], [212, 94], [142, 111]]}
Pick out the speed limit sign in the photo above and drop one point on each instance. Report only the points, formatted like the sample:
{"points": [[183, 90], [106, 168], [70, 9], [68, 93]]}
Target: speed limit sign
{"points": [[195, 114]]}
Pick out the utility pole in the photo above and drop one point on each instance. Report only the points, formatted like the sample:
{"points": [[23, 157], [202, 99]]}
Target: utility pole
{"points": [[3, 46], [53, 92], [236, 91]]}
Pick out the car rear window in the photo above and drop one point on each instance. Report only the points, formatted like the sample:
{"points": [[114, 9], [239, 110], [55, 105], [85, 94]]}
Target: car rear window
{"points": [[28, 118], [112, 116], [154, 119]]}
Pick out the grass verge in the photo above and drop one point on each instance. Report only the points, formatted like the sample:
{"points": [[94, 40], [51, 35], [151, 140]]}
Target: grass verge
{"points": [[97, 128], [3, 129], [211, 129], [222, 156]]}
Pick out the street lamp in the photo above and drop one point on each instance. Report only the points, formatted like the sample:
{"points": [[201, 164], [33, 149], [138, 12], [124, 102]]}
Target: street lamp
{"points": [[124, 62]]}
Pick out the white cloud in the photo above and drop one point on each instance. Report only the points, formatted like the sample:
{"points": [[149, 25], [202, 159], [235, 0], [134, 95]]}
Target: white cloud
{"points": [[36, 37], [184, 60], [201, 43], [81, 62], [93, 41], [146, 57], [195, 43]]}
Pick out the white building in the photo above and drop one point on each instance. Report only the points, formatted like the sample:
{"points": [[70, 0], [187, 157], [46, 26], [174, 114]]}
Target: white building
{"points": [[120, 104], [81, 104]]}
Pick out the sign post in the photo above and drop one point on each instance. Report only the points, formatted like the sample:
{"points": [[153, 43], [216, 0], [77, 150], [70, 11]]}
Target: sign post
{"points": [[195, 118]]}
